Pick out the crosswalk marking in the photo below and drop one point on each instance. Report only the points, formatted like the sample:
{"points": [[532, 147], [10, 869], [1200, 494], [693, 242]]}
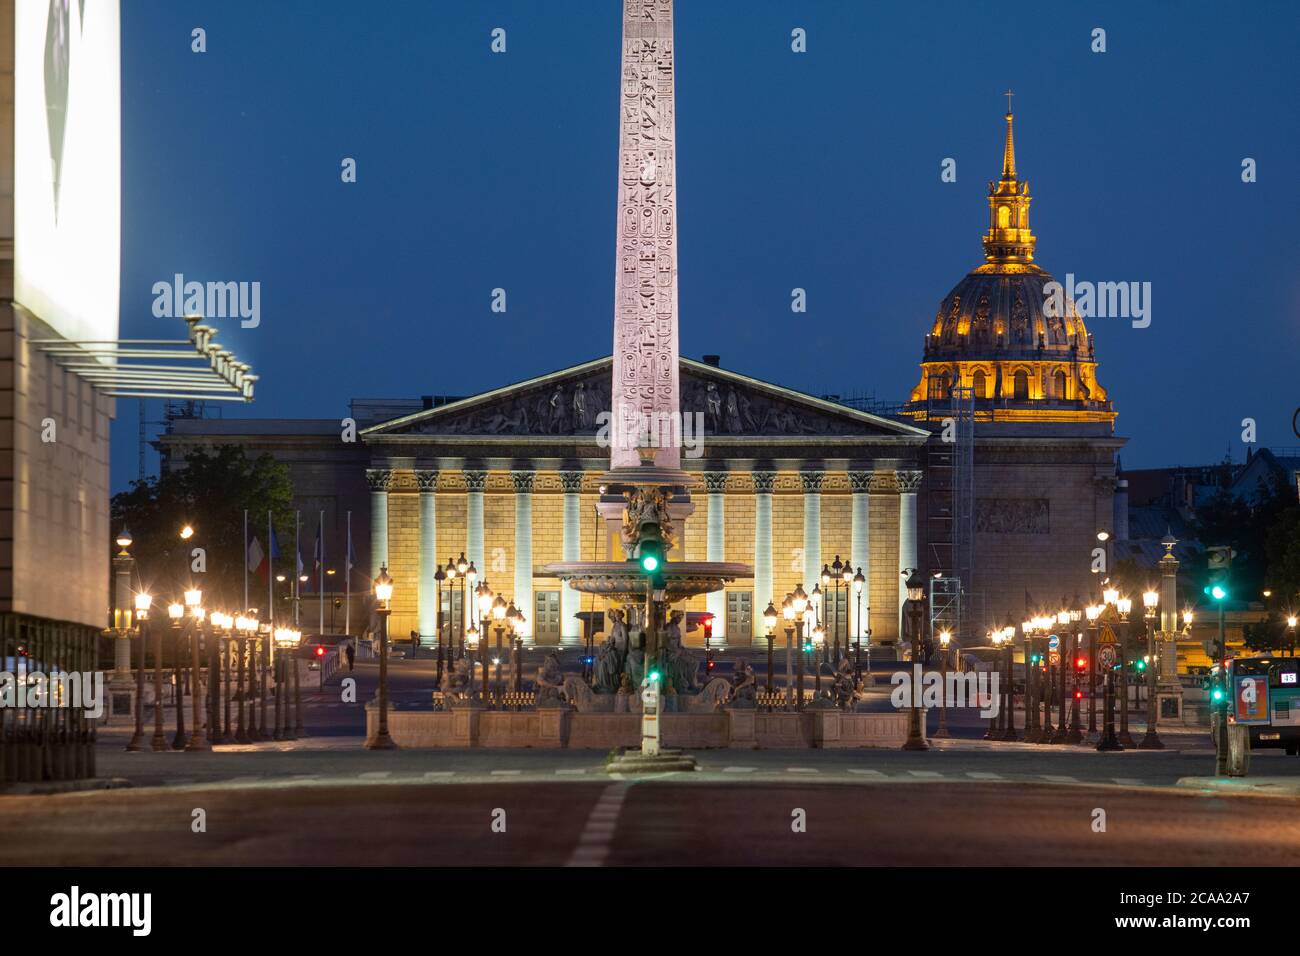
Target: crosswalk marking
{"points": [[376, 774], [925, 773], [564, 772], [739, 769], [982, 775], [593, 844], [801, 770], [865, 773], [506, 773], [1057, 778], [439, 774]]}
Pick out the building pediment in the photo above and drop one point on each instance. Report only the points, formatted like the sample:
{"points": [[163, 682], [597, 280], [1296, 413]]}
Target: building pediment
{"points": [[575, 402]]}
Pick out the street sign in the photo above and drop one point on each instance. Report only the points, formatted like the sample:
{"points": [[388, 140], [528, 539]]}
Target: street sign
{"points": [[1054, 658], [1053, 642], [1107, 654]]}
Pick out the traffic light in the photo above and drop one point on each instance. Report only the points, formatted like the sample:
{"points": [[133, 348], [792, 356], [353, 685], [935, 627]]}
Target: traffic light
{"points": [[1081, 664], [320, 650], [649, 551], [1219, 561], [1140, 665], [708, 630]]}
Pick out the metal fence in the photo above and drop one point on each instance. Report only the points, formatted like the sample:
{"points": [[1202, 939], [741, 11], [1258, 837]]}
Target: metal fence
{"points": [[45, 731]]}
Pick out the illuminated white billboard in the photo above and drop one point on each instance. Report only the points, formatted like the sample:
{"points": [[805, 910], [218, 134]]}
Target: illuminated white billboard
{"points": [[68, 164]]}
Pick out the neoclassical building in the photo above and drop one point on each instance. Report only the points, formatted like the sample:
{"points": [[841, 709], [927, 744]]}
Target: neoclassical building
{"points": [[996, 476]]}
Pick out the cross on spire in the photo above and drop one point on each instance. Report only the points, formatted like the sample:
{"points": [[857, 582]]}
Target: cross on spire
{"points": [[1008, 94]]}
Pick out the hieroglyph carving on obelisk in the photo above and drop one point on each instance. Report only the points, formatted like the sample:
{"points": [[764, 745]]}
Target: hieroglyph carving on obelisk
{"points": [[645, 400]]}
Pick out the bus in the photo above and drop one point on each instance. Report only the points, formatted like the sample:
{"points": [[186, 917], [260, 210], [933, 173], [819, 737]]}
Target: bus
{"points": [[1266, 698]]}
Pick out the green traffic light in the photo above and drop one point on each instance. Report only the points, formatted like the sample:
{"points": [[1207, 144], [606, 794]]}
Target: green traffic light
{"points": [[649, 563], [1218, 593], [654, 676]]}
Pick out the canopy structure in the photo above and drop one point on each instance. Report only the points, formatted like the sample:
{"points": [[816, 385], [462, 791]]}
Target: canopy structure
{"points": [[196, 367]]}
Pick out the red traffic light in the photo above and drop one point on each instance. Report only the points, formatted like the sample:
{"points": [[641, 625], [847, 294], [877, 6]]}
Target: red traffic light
{"points": [[1078, 695], [320, 651], [1081, 663]]}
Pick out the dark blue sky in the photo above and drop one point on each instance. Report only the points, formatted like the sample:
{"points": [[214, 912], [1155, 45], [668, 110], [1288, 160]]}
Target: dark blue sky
{"points": [[818, 170]]}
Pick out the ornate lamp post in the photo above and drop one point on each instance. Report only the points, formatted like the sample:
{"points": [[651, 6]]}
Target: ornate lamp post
{"points": [[915, 610], [289, 640], [457, 629], [945, 637], [497, 610], [1076, 727], [859, 582], [799, 601], [787, 611], [994, 731], [1062, 624], [819, 654], [175, 612], [198, 739], [179, 639], [1125, 607], [1092, 612], [515, 622], [1151, 740], [224, 624], [817, 605], [1009, 641], [1109, 741], [142, 604], [1033, 729], [484, 596], [769, 625], [242, 627], [472, 643], [438, 577], [383, 607]]}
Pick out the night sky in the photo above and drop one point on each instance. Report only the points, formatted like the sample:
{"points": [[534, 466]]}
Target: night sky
{"points": [[818, 170]]}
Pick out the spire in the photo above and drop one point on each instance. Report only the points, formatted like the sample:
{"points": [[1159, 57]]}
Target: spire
{"points": [[1009, 150], [1009, 240]]}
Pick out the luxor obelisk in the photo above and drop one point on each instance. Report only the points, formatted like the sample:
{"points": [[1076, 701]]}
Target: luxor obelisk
{"points": [[645, 397]]}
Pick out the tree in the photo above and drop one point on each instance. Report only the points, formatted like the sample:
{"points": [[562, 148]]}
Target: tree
{"points": [[210, 494]]}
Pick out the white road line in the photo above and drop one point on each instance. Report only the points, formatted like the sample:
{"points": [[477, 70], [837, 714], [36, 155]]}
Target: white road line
{"points": [[1057, 778], [1128, 782], [598, 832], [375, 774], [802, 770], [506, 773], [739, 769], [866, 773], [925, 773], [983, 775], [569, 772], [439, 774]]}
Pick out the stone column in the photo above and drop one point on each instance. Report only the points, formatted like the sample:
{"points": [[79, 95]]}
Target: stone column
{"points": [[763, 484], [908, 483], [475, 482], [570, 598], [1169, 619], [524, 548], [812, 528], [860, 545], [379, 480], [715, 484], [428, 594]]}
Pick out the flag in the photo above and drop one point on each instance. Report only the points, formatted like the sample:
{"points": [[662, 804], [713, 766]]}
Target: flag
{"points": [[275, 545], [299, 557], [256, 557]]}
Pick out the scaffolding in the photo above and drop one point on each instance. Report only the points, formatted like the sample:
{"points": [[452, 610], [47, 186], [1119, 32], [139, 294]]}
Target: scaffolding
{"points": [[950, 508]]}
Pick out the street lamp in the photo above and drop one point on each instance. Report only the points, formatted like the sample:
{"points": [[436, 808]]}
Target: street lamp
{"points": [[945, 637], [219, 732], [915, 608], [438, 577], [142, 604], [769, 625], [1009, 640], [1151, 740], [484, 595], [799, 601], [1125, 607], [1092, 612], [496, 608], [175, 612], [456, 629], [1290, 635], [859, 582], [242, 626], [383, 607], [198, 617], [787, 611], [819, 649]]}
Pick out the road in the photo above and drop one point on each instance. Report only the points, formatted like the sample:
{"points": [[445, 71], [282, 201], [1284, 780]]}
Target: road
{"points": [[324, 800]]}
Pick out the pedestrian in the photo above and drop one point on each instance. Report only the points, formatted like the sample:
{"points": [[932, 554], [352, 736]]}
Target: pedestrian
{"points": [[415, 644], [350, 652]]}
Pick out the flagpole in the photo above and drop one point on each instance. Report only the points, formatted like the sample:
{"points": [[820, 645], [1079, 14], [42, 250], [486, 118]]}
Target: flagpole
{"points": [[347, 582], [245, 562], [270, 571], [320, 568], [297, 558]]}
